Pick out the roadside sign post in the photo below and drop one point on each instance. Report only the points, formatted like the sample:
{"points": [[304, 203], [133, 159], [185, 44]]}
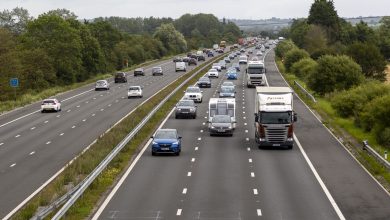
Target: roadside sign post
{"points": [[14, 82]]}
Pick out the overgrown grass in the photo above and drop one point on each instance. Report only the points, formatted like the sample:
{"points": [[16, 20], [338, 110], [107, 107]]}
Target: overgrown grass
{"points": [[78, 170], [340, 126]]}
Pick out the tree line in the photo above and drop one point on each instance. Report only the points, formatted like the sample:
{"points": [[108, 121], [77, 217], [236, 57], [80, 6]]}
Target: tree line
{"points": [[343, 63], [57, 49]]}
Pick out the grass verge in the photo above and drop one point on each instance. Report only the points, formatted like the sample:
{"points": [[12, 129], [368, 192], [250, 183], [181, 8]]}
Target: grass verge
{"points": [[345, 129], [79, 169]]}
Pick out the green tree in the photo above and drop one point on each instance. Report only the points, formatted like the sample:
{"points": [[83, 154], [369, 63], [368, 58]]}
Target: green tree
{"points": [[315, 39], [298, 31], [323, 13], [369, 58], [304, 68], [172, 39], [15, 20], [61, 43], [365, 34], [283, 47], [294, 56], [384, 36], [335, 73]]}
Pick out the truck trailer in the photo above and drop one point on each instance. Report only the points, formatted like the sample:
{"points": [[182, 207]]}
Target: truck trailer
{"points": [[274, 117]]}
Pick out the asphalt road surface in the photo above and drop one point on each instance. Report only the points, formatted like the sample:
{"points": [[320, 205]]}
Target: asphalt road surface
{"points": [[230, 178], [35, 146]]}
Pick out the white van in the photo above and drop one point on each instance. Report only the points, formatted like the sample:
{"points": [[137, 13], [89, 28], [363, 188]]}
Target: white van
{"points": [[180, 66], [243, 60]]}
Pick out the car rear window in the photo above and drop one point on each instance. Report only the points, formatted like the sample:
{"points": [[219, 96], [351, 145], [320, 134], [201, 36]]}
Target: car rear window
{"points": [[49, 102], [134, 88]]}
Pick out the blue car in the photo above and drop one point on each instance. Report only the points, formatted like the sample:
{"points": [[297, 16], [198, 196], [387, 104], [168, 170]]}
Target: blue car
{"points": [[231, 74], [166, 141]]}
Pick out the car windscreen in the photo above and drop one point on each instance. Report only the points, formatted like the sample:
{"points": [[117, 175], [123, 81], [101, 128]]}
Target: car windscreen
{"points": [[257, 70], [204, 80], [227, 89], [165, 135], [156, 69], [120, 75], [275, 117], [185, 103], [193, 90], [221, 119]]}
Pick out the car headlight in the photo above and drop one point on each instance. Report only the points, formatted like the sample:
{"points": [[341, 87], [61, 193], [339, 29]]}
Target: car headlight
{"points": [[192, 110], [178, 109], [175, 143], [154, 143], [212, 127]]}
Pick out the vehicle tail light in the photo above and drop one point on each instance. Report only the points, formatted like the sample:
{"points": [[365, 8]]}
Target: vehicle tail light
{"points": [[262, 131], [290, 131]]}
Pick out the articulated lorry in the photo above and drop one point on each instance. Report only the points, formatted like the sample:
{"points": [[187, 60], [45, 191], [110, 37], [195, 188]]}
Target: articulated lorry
{"points": [[274, 117], [255, 74]]}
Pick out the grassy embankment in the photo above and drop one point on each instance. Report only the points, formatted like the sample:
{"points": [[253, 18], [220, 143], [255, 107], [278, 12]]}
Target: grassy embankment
{"points": [[345, 129]]}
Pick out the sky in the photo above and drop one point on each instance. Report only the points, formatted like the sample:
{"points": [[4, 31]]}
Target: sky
{"points": [[240, 9]]}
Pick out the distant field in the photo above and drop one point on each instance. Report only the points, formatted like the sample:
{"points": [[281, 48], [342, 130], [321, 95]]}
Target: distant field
{"points": [[388, 74]]}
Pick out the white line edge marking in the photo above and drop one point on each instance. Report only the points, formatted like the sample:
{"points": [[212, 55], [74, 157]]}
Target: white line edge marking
{"points": [[178, 213], [322, 184], [126, 174], [345, 148]]}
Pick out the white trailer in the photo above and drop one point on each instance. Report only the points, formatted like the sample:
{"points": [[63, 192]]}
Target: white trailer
{"points": [[223, 106], [274, 117], [255, 74]]}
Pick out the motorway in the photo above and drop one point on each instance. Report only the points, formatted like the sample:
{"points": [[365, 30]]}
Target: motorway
{"points": [[34, 147], [229, 178]]}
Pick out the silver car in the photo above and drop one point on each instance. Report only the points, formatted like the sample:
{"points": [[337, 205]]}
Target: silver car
{"points": [[102, 85], [221, 125]]}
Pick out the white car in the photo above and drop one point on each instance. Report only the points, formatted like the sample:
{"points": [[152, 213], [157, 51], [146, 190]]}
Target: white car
{"points": [[193, 93], [50, 105], [228, 83], [102, 85], [243, 60], [259, 53], [180, 66], [217, 66], [134, 91], [212, 73]]}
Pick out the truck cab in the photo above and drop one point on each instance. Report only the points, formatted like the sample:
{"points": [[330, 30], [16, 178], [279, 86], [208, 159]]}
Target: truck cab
{"points": [[255, 74], [274, 117]]}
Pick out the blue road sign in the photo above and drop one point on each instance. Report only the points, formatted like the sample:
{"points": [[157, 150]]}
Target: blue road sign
{"points": [[14, 82]]}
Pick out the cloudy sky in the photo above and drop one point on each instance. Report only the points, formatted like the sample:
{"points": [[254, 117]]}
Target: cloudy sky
{"points": [[242, 9]]}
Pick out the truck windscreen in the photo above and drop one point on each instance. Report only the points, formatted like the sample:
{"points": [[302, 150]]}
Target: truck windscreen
{"points": [[275, 117], [255, 70]]}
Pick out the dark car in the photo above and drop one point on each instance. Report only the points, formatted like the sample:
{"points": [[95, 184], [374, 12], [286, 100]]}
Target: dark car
{"points": [[185, 108], [193, 56], [237, 66], [139, 72], [204, 82], [157, 71], [201, 57], [221, 125], [210, 54], [192, 61], [120, 77], [227, 92], [166, 141], [177, 59], [186, 59], [227, 60]]}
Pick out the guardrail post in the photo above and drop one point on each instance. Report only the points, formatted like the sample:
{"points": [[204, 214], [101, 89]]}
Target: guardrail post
{"points": [[365, 143], [385, 154]]}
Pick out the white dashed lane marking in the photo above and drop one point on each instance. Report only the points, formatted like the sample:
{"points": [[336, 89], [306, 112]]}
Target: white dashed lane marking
{"points": [[69, 110], [93, 114], [12, 165], [61, 134], [84, 120], [193, 160], [255, 192], [33, 152], [252, 174], [246, 131], [17, 136], [58, 116], [49, 142], [247, 139], [102, 109], [78, 106], [196, 148], [73, 126], [189, 174], [1, 144], [250, 160], [248, 149], [32, 128], [184, 191], [46, 122], [199, 138], [259, 212], [178, 213]]}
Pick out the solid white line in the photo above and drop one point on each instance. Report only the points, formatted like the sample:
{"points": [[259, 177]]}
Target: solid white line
{"points": [[12, 165], [252, 174], [322, 184], [255, 192], [189, 174], [178, 213], [128, 171], [259, 212], [19, 118], [184, 191], [32, 128]]}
